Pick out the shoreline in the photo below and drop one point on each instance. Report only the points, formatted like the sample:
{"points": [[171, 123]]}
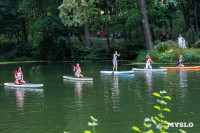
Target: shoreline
{"points": [[132, 62]]}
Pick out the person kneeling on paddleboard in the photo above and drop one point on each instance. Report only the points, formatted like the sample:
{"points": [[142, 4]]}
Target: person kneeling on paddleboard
{"points": [[148, 65], [180, 61], [77, 71], [18, 74]]}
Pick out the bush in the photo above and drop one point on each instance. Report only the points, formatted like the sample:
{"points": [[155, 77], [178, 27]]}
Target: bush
{"points": [[99, 53], [163, 46], [142, 56], [168, 52], [80, 52], [197, 44], [13, 52], [192, 55], [128, 50], [191, 37]]}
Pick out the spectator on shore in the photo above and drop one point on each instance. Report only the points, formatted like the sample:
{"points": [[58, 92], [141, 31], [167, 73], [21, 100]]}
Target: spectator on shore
{"points": [[116, 35], [98, 34], [160, 36], [183, 44], [167, 36], [119, 34], [101, 32], [180, 39]]}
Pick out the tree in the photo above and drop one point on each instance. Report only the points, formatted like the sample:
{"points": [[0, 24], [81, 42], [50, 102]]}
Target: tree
{"points": [[9, 23], [145, 24], [75, 13]]}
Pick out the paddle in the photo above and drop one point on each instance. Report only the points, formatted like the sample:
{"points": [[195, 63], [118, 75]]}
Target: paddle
{"points": [[72, 65]]}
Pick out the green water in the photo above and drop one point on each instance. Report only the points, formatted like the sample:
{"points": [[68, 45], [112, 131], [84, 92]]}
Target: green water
{"points": [[118, 102]]}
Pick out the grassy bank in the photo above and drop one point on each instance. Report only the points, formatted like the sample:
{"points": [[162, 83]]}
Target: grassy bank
{"points": [[168, 52]]}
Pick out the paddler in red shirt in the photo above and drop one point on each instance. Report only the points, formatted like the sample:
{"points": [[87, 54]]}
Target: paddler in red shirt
{"points": [[148, 65], [77, 71], [18, 74]]}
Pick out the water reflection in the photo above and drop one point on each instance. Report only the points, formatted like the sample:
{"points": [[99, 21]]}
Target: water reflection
{"points": [[183, 78], [20, 94], [112, 85], [78, 89], [182, 74], [149, 79], [115, 93], [19, 99]]}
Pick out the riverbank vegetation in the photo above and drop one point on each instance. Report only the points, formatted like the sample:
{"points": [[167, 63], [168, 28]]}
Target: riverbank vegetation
{"points": [[67, 30], [168, 52]]}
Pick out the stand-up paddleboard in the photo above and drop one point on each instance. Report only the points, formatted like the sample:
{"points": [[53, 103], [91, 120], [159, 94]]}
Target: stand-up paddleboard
{"points": [[23, 85], [152, 70], [116, 72], [192, 67], [78, 79]]}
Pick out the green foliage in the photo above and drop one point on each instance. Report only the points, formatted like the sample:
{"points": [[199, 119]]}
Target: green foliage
{"points": [[74, 12], [169, 52], [197, 44], [159, 122], [93, 124], [80, 52], [12, 52], [191, 37], [49, 38], [99, 53], [192, 55], [141, 57]]}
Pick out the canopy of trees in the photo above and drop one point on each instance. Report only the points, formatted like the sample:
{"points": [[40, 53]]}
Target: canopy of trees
{"points": [[43, 29]]}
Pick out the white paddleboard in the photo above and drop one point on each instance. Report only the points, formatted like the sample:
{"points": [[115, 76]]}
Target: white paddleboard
{"points": [[23, 85], [78, 79], [156, 70], [116, 72]]}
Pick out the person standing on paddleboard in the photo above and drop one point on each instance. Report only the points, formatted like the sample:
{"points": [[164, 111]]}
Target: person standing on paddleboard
{"points": [[77, 71], [180, 61], [18, 74], [115, 55], [148, 65]]}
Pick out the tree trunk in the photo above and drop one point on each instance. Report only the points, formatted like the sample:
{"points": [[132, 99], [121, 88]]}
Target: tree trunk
{"points": [[107, 30], [196, 19], [130, 35], [171, 28], [70, 45], [79, 35], [14, 38], [107, 38], [25, 34], [186, 18], [87, 35], [145, 24], [125, 36]]}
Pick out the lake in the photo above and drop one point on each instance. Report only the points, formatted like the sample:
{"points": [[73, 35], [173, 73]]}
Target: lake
{"points": [[118, 102]]}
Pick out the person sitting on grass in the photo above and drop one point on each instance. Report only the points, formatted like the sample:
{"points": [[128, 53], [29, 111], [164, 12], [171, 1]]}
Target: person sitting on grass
{"points": [[180, 61], [18, 74], [77, 71], [148, 65]]}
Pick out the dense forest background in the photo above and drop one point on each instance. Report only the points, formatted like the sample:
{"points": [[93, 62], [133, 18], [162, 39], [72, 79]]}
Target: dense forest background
{"points": [[67, 29]]}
